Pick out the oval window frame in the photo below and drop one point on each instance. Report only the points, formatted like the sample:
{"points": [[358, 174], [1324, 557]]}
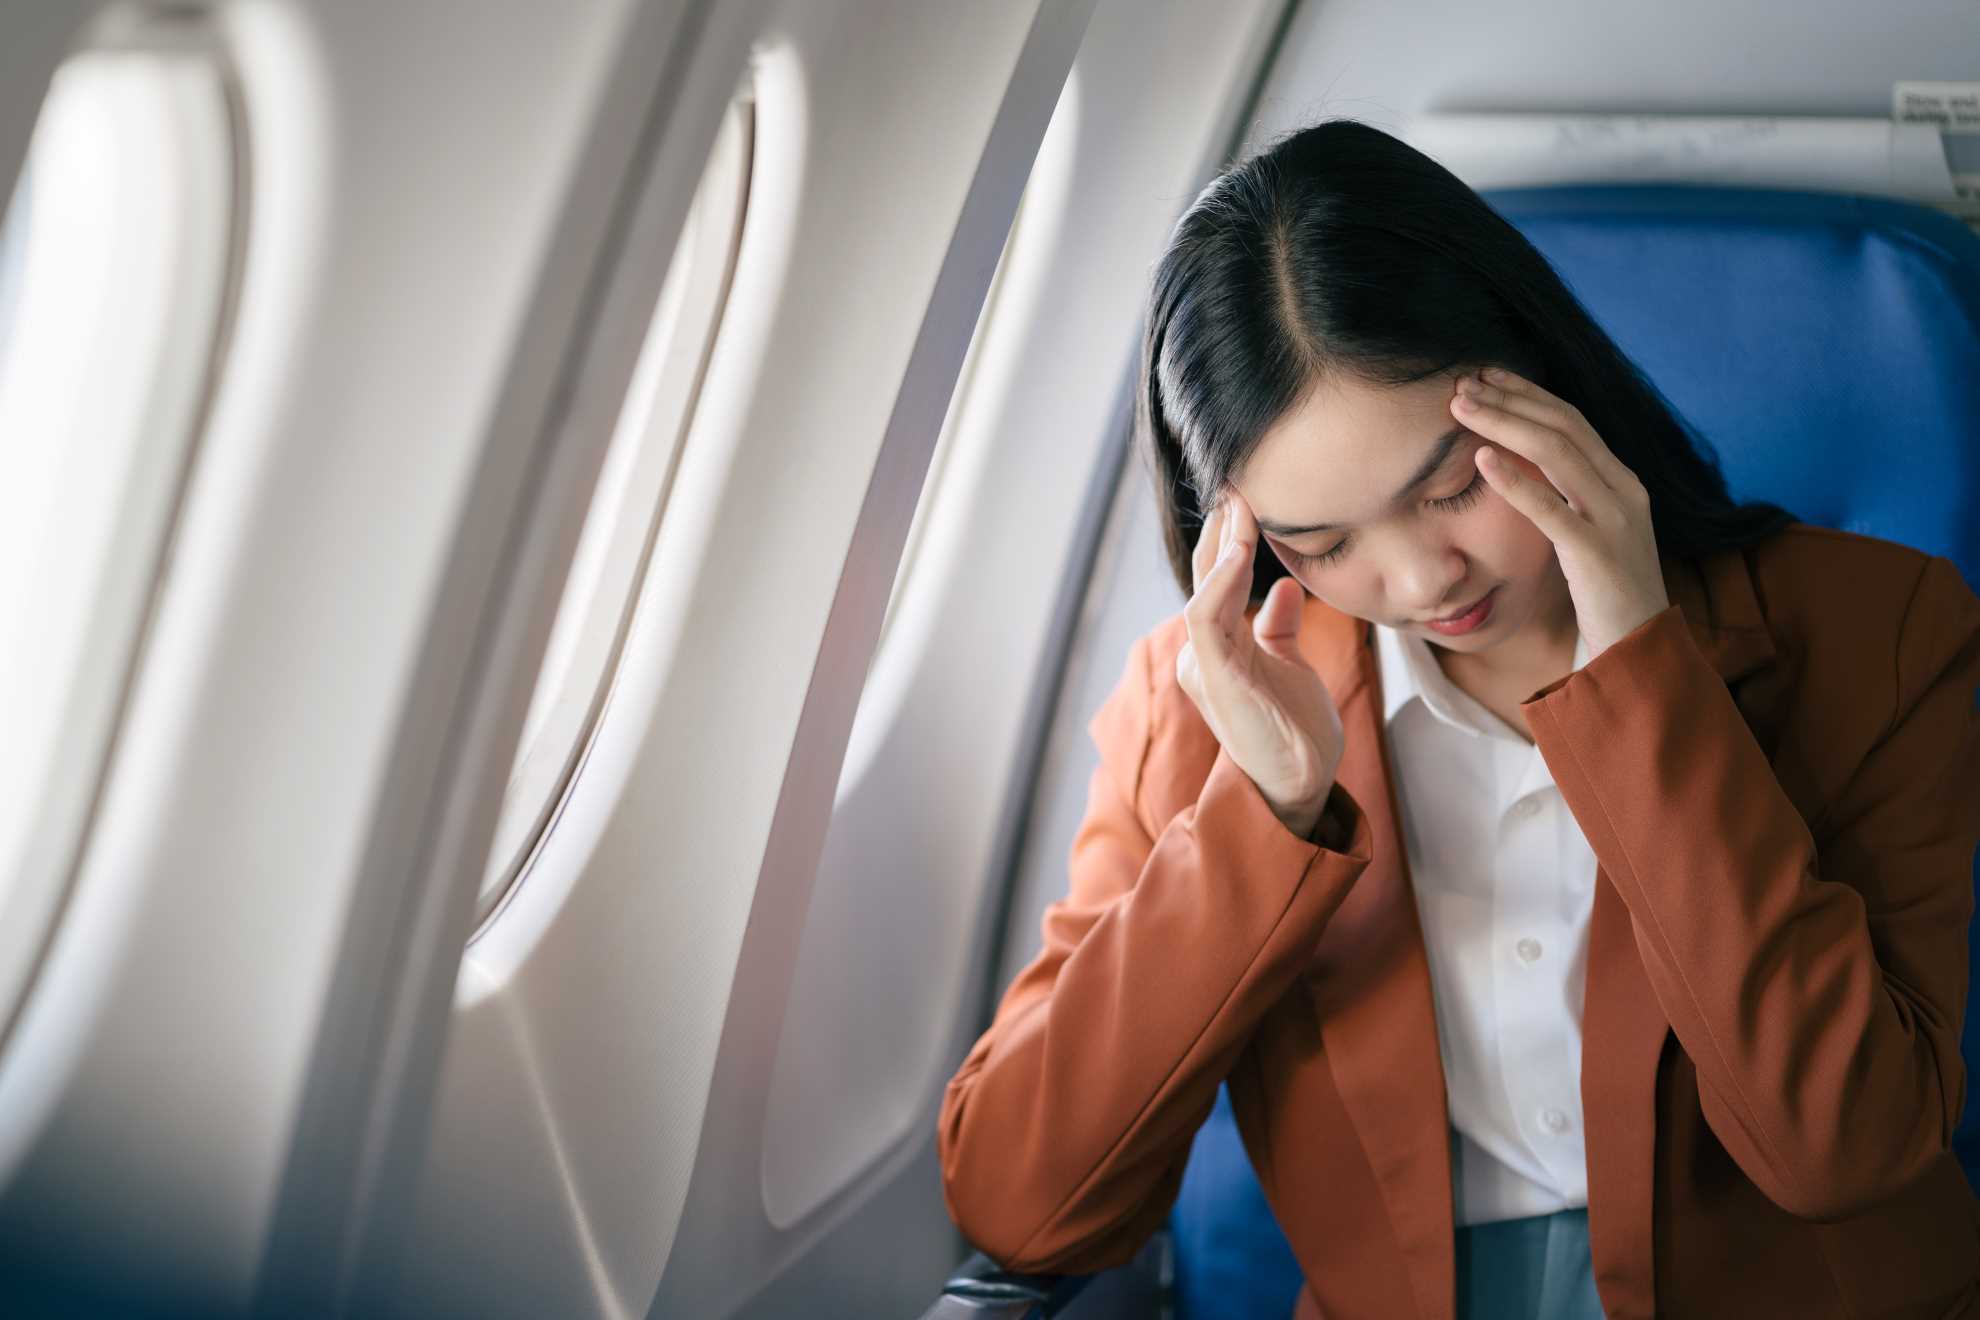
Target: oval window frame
{"points": [[588, 635]]}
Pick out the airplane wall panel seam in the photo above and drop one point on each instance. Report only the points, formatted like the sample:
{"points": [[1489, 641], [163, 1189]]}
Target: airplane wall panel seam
{"points": [[572, 962]]}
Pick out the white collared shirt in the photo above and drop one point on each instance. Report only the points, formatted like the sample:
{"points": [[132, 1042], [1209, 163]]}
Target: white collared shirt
{"points": [[1504, 882]]}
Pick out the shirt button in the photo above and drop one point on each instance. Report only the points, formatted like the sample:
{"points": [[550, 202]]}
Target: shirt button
{"points": [[1529, 950], [1554, 1120], [1525, 807]]}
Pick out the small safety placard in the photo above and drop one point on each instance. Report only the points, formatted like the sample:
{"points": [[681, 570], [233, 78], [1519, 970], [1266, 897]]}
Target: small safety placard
{"points": [[1951, 105]]}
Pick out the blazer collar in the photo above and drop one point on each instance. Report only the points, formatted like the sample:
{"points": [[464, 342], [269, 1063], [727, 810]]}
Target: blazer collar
{"points": [[1408, 669], [1717, 597]]}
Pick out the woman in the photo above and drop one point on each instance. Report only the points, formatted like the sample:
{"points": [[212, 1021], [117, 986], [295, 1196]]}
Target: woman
{"points": [[1747, 817]]}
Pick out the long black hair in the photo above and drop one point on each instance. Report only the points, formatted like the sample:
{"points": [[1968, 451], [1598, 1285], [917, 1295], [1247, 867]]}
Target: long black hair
{"points": [[1338, 248]]}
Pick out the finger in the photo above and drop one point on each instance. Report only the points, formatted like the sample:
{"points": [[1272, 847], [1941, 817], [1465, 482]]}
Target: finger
{"points": [[1516, 394], [1241, 543], [1512, 381], [1206, 617], [1186, 672], [1276, 627], [1563, 464], [1554, 416], [1218, 608], [1540, 502], [1207, 545]]}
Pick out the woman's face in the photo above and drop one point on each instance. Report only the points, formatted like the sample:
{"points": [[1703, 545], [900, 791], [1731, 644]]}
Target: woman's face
{"points": [[1418, 532]]}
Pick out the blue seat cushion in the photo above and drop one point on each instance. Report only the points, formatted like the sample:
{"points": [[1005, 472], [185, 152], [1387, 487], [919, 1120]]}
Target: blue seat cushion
{"points": [[1231, 1260], [1826, 346]]}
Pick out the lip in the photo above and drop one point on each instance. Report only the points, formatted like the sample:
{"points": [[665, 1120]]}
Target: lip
{"points": [[1470, 619]]}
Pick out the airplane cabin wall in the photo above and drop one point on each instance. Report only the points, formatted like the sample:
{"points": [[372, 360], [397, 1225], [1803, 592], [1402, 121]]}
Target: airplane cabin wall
{"points": [[314, 725], [792, 821]]}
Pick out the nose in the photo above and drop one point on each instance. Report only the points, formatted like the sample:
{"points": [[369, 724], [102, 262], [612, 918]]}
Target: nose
{"points": [[1426, 580]]}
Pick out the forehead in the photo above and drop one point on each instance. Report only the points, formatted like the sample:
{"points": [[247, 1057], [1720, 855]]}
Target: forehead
{"points": [[1343, 450]]}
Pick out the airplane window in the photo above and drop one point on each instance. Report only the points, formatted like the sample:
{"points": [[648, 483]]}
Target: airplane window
{"points": [[871, 718], [884, 677], [114, 277], [945, 443], [855, 1055], [612, 548]]}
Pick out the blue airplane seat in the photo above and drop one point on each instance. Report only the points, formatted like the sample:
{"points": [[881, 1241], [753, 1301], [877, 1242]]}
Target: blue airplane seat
{"points": [[1827, 347]]}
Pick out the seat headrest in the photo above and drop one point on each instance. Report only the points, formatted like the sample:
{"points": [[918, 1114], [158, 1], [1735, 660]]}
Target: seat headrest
{"points": [[1825, 345]]}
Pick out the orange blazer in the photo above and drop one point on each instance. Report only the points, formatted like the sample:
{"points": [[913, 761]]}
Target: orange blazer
{"points": [[1779, 775]]}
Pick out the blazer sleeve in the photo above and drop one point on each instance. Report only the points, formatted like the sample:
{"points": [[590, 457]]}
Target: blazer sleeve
{"points": [[1063, 1135], [1818, 990]]}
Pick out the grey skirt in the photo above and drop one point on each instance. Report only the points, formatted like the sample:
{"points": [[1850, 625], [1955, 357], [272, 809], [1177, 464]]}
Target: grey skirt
{"points": [[1527, 1269]]}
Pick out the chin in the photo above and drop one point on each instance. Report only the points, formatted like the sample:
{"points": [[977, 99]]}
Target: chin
{"points": [[1467, 643]]}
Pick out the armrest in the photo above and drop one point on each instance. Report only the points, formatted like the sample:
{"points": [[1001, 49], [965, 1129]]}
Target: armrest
{"points": [[978, 1290]]}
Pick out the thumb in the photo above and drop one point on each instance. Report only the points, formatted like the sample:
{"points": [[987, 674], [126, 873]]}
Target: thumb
{"points": [[1276, 625]]}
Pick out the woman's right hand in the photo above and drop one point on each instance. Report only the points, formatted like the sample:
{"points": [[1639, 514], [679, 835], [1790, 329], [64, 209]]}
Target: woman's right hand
{"points": [[1262, 700]]}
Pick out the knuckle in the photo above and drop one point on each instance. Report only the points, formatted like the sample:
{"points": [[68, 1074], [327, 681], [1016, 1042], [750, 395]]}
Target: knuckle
{"points": [[1188, 677]]}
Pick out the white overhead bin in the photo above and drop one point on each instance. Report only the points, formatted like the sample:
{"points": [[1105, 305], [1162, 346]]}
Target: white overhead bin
{"points": [[1834, 154]]}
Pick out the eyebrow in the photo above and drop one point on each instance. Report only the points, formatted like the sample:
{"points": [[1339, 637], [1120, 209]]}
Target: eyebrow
{"points": [[1424, 471]]}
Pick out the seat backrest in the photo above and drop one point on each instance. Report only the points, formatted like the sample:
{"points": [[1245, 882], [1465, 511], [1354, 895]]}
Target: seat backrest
{"points": [[1827, 346]]}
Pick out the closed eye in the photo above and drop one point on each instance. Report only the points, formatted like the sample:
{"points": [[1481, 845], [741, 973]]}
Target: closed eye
{"points": [[1449, 504], [1464, 498]]}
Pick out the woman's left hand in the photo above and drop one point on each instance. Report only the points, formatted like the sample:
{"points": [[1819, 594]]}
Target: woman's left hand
{"points": [[1557, 472]]}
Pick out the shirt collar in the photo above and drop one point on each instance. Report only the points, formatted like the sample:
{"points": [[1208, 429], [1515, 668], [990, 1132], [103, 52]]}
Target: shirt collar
{"points": [[1410, 672]]}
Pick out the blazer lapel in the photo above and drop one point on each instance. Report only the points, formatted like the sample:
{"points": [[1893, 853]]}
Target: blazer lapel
{"points": [[1622, 1043], [1371, 980], [1377, 1015]]}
